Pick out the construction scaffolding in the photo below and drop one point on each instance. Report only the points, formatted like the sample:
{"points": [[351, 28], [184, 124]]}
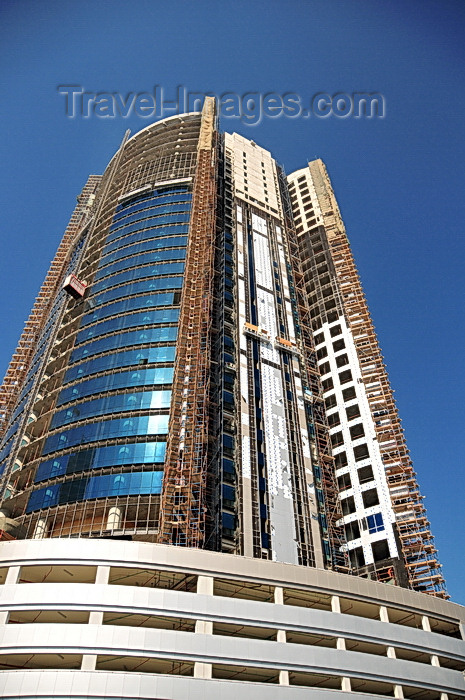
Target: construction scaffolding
{"points": [[183, 505], [423, 568], [20, 362]]}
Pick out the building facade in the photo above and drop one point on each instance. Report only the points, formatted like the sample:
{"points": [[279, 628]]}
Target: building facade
{"points": [[199, 385], [385, 522], [96, 618]]}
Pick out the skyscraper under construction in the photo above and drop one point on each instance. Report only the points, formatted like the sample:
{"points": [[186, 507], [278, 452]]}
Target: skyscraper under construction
{"points": [[200, 372]]}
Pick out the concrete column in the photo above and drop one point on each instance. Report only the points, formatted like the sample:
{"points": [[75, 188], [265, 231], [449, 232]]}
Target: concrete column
{"points": [[96, 618], [335, 604], [89, 662], [341, 643], [345, 685], [434, 660], [383, 613], [398, 690], [103, 574], [205, 585], [12, 576], [203, 627], [284, 678], [425, 623], [281, 634], [202, 670], [444, 696], [279, 595]]}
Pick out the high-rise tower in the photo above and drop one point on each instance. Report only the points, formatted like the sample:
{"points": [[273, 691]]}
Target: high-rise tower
{"points": [[197, 420], [385, 522]]}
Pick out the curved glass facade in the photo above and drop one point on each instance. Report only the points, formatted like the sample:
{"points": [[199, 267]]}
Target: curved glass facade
{"points": [[139, 453], [140, 376], [115, 403], [105, 442], [105, 486], [148, 285], [121, 359], [138, 273], [122, 340], [142, 259], [102, 325], [129, 304], [150, 244], [128, 321]]}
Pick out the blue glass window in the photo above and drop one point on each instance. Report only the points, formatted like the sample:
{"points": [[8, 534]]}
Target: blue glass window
{"points": [[151, 256], [147, 213], [163, 220], [155, 244], [228, 398], [117, 380], [120, 359], [228, 466], [375, 523], [122, 340], [105, 486], [43, 498], [19, 408], [6, 449], [11, 431], [99, 457], [129, 484], [146, 235], [131, 304], [27, 386], [51, 468], [229, 521], [228, 442], [151, 285], [149, 317], [229, 495], [106, 405], [139, 273], [105, 430], [122, 211]]}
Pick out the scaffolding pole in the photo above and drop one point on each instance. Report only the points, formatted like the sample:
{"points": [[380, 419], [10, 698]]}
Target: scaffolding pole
{"points": [[183, 502]]}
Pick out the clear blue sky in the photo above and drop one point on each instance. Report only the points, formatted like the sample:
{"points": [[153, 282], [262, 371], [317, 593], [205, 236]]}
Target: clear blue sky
{"points": [[399, 180]]}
